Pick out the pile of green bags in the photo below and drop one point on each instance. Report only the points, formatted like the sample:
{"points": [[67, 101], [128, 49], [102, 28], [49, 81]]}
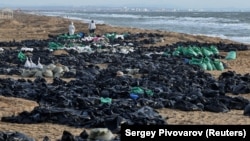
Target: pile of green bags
{"points": [[207, 64], [194, 51], [201, 56]]}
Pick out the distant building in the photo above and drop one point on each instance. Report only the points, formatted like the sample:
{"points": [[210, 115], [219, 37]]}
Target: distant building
{"points": [[6, 13]]}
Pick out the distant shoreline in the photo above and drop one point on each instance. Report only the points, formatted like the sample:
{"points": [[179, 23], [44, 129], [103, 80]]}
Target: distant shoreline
{"points": [[119, 8], [200, 23], [31, 26]]}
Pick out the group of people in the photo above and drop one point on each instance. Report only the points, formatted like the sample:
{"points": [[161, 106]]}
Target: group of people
{"points": [[91, 27]]}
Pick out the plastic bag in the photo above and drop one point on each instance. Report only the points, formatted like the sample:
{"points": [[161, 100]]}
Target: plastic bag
{"points": [[189, 52], [106, 100], [231, 55], [218, 64], [197, 51], [55, 46], [149, 92], [207, 61], [214, 50], [137, 90], [21, 56], [206, 52]]}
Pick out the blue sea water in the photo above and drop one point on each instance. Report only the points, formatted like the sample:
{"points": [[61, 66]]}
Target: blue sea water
{"points": [[228, 25]]}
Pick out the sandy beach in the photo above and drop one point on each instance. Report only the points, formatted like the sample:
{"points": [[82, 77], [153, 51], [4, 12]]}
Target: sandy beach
{"points": [[25, 26]]}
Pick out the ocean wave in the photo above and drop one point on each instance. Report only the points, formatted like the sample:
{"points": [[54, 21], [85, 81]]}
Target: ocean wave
{"points": [[242, 39], [245, 39]]}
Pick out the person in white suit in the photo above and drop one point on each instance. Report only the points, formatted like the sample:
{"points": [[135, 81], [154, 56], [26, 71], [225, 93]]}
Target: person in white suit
{"points": [[72, 29], [92, 27]]}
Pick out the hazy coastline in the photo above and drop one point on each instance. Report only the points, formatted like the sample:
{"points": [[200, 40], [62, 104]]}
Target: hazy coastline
{"points": [[226, 25]]}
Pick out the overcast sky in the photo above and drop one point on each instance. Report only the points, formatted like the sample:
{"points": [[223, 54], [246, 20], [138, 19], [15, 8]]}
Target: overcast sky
{"points": [[239, 4]]}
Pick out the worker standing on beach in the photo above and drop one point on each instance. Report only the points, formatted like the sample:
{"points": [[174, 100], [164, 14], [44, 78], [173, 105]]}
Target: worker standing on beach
{"points": [[92, 27], [71, 29]]}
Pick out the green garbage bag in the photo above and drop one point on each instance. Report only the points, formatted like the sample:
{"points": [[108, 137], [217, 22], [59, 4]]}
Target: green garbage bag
{"points": [[199, 62], [176, 53], [110, 36], [67, 36], [106, 100], [203, 65], [218, 64], [207, 61], [197, 50], [214, 50], [206, 52], [195, 61], [137, 90], [21, 56], [149, 92], [213, 66], [188, 51], [231, 55], [55, 46]]}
